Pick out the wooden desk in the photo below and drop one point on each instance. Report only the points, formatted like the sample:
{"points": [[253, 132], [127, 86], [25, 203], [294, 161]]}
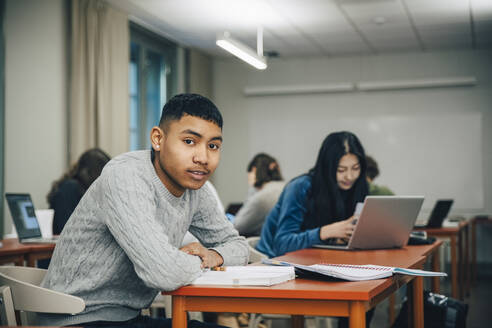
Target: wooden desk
{"points": [[482, 219], [301, 297], [460, 269], [435, 284], [13, 251]]}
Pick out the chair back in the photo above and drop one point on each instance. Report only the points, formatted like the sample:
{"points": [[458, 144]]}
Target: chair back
{"points": [[254, 254], [28, 296], [7, 313]]}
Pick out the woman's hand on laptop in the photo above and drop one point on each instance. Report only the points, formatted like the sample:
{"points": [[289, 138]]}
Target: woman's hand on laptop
{"points": [[342, 229]]}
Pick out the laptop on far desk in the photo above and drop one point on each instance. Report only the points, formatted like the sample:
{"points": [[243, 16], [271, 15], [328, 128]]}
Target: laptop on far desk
{"points": [[439, 213], [25, 220], [384, 222]]}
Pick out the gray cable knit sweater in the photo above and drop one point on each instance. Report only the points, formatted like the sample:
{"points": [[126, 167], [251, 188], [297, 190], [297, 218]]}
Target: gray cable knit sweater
{"points": [[120, 246]]}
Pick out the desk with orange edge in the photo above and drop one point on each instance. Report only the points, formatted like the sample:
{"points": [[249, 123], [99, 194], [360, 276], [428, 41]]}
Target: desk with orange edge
{"points": [[14, 252], [301, 297], [460, 268]]}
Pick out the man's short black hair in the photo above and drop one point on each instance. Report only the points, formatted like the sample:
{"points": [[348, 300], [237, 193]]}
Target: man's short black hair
{"points": [[190, 104]]}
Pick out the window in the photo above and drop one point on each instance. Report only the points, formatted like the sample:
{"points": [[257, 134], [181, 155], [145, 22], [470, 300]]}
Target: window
{"points": [[152, 81]]}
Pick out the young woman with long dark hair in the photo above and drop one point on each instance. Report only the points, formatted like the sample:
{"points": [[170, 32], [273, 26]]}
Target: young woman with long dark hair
{"points": [[318, 207]]}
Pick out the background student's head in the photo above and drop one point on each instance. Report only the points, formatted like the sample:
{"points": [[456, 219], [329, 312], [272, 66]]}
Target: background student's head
{"points": [[372, 169], [338, 179], [90, 165], [263, 168], [186, 144], [85, 171]]}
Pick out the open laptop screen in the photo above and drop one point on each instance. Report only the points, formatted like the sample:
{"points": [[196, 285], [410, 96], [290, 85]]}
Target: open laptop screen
{"points": [[23, 215], [439, 213]]}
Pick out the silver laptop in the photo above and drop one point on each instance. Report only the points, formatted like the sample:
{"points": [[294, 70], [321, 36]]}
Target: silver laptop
{"points": [[25, 221], [384, 222]]}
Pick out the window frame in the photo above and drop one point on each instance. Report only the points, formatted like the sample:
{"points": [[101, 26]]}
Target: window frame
{"points": [[149, 41]]}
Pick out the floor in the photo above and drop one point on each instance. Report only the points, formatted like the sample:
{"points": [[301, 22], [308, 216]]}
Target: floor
{"points": [[480, 308]]}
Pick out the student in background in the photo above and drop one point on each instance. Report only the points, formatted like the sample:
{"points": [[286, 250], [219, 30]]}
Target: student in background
{"points": [[66, 192], [265, 185], [121, 246], [371, 173], [318, 207]]}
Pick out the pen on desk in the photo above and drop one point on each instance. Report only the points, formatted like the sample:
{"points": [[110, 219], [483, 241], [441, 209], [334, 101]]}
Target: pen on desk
{"points": [[275, 262], [221, 268]]}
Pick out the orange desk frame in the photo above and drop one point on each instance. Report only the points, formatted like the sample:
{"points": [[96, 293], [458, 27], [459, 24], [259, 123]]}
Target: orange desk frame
{"points": [[301, 297]]}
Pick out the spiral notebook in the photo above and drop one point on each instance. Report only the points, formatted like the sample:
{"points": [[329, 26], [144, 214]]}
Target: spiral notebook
{"points": [[352, 272]]}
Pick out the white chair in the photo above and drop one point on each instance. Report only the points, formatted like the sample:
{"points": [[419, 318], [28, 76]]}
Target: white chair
{"points": [[20, 291], [7, 312]]}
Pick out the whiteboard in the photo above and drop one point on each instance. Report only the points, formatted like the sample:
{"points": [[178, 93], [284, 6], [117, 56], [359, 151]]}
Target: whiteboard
{"points": [[437, 156]]}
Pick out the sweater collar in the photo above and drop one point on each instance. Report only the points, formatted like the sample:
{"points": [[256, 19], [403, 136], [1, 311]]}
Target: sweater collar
{"points": [[163, 191]]}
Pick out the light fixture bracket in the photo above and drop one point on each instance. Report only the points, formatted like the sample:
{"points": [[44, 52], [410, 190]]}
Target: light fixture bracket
{"points": [[242, 51]]}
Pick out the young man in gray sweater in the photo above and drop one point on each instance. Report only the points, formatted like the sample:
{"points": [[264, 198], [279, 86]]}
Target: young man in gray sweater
{"points": [[120, 247]]}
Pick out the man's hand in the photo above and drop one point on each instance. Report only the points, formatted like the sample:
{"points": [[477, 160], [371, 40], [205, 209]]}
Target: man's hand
{"points": [[210, 258]]}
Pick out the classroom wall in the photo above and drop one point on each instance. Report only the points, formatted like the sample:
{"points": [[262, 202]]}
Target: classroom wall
{"points": [[36, 87], [200, 73], [293, 134]]}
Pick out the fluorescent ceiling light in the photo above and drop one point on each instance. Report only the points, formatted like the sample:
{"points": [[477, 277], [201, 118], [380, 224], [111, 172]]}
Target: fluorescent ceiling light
{"points": [[241, 51]]}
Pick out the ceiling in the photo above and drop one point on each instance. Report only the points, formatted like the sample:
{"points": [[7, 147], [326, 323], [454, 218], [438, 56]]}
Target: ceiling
{"points": [[295, 28]]}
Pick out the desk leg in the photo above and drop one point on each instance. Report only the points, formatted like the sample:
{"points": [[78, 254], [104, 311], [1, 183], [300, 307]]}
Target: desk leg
{"points": [[436, 282], [461, 263], [454, 268], [357, 318], [297, 321], [415, 294], [31, 258], [467, 262], [474, 251], [179, 313], [31, 262], [391, 308]]}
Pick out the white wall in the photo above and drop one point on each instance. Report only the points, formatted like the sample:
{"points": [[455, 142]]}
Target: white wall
{"points": [[290, 126], [35, 97], [200, 73]]}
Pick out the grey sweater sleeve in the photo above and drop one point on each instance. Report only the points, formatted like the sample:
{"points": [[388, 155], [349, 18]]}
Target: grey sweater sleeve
{"points": [[131, 219], [214, 231]]}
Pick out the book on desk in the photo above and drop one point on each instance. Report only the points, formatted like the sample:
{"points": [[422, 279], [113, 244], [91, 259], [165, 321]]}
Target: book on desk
{"points": [[352, 272], [246, 276]]}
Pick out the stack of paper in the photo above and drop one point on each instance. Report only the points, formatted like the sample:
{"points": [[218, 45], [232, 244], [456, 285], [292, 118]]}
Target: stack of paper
{"points": [[247, 276]]}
